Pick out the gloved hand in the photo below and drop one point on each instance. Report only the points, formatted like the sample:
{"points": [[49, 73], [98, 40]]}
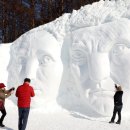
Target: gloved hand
{"points": [[12, 89]]}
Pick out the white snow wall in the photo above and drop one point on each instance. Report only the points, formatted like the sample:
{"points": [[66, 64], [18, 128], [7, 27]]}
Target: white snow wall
{"points": [[75, 60]]}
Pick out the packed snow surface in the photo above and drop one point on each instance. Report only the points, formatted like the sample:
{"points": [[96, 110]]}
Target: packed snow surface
{"points": [[73, 63]]}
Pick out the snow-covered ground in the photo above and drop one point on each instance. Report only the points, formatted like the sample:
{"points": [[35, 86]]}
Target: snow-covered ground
{"points": [[73, 63], [62, 121]]}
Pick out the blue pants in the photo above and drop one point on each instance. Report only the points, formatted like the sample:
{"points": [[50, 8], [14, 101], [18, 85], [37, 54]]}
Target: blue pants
{"points": [[23, 118]]}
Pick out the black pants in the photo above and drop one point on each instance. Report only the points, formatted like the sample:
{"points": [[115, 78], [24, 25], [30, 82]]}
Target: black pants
{"points": [[3, 111], [117, 109], [23, 118]]}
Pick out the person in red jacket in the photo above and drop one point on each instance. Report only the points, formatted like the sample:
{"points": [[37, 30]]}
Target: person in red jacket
{"points": [[24, 93]]}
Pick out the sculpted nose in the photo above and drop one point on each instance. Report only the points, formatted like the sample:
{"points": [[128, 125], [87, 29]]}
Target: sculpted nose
{"points": [[99, 66], [32, 68]]}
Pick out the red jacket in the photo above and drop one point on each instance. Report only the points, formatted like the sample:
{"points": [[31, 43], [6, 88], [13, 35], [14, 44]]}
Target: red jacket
{"points": [[24, 94]]}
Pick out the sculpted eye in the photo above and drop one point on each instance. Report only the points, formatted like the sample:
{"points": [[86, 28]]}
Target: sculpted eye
{"points": [[77, 54], [79, 57], [119, 49], [45, 59]]}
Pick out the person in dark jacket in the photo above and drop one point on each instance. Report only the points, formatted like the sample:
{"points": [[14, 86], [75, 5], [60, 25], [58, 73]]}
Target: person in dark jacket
{"points": [[24, 94], [3, 95], [117, 104]]}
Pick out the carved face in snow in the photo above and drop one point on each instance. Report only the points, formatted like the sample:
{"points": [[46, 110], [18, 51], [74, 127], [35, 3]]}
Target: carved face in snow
{"points": [[94, 58], [100, 58], [38, 58]]}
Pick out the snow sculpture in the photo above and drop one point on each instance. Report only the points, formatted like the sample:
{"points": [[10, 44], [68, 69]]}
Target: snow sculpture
{"points": [[80, 73], [99, 57], [37, 56]]}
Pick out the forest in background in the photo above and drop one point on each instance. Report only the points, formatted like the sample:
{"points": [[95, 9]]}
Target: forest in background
{"points": [[19, 16]]}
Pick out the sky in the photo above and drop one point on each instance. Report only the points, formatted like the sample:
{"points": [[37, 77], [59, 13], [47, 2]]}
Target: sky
{"points": [[73, 63]]}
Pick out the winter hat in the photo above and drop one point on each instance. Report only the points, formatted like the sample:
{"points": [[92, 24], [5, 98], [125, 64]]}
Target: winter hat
{"points": [[2, 85]]}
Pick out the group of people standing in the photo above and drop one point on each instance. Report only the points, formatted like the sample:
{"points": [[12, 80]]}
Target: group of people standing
{"points": [[24, 93]]}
